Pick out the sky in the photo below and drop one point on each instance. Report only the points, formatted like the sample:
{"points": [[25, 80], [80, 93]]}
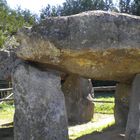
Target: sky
{"points": [[33, 5]]}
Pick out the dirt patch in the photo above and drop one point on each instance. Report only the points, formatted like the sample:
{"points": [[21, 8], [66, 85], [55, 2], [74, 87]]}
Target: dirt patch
{"points": [[89, 130], [99, 122], [109, 134], [112, 133]]}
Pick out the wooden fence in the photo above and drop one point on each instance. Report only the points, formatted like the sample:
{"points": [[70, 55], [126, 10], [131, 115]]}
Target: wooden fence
{"points": [[6, 93], [102, 89], [105, 88]]}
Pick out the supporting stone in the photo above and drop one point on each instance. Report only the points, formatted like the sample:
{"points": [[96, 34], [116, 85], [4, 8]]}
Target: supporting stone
{"points": [[40, 108], [133, 123], [122, 97], [7, 62], [79, 108]]}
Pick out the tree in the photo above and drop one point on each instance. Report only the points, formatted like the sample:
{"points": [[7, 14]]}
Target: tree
{"points": [[49, 11], [136, 7], [130, 7], [125, 6], [76, 6], [71, 7], [12, 20], [27, 16]]}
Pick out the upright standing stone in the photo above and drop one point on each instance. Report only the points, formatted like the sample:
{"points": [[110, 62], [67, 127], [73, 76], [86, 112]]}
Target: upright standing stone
{"points": [[122, 97], [133, 123], [76, 90], [40, 108]]}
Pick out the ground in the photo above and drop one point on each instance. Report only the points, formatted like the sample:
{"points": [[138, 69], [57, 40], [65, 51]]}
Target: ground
{"points": [[102, 122], [6, 133], [108, 134], [116, 134], [98, 123], [84, 131]]}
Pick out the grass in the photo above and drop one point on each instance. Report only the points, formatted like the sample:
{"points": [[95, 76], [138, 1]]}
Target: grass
{"points": [[6, 112], [104, 108], [97, 124], [103, 118]]}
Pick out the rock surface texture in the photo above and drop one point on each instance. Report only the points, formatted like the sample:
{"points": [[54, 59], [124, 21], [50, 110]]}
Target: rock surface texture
{"points": [[95, 44], [122, 102], [79, 108], [8, 61], [40, 108], [133, 123]]}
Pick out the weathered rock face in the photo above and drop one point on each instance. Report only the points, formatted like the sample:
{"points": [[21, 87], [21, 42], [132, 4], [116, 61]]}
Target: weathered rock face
{"points": [[40, 108], [122, 102], [133, 123], [8, 61], [96, 44], [79, 108]]}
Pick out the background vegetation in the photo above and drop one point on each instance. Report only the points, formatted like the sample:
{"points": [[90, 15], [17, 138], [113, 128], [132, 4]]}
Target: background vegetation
{"points": [[104, 108], [70, 7], [12, 20]]}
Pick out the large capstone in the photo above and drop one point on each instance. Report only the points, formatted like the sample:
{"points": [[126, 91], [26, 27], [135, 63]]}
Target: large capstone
{"points": [[78, 98], [96, 44], [39, 105]]}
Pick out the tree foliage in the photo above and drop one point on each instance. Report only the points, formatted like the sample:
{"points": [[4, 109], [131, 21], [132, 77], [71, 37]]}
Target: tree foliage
{"points": [[124, 6], [50, 11], [12, 20], [71, 7], [130, 7], [76, 6], [136, 7]]}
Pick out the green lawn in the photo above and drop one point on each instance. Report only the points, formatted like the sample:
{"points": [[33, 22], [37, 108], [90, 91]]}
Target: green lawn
{"points": [[6, 112], [104, 108]]}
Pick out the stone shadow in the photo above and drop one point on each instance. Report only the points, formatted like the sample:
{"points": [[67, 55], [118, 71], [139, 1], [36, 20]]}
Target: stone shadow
{"points": [[110, 133], [7, 133]]}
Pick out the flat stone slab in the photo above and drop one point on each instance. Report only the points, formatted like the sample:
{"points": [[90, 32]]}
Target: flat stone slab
{"points": [[96, 44]]}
